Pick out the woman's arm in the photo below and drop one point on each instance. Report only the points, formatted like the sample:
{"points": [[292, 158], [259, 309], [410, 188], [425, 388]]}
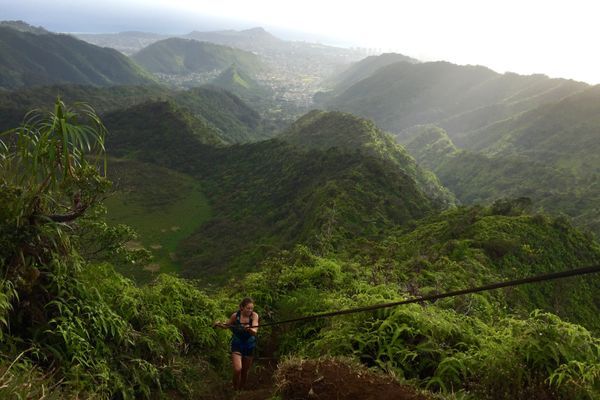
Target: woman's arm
{"points": [[226, 325]]}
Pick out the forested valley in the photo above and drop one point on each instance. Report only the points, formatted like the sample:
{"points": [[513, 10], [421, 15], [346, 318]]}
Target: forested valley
{"points": [[148, 185]]}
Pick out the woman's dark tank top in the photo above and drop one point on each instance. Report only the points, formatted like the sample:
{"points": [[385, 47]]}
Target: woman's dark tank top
{"points": [[239, 333]]}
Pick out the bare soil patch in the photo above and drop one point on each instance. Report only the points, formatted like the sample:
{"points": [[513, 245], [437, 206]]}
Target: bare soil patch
{"points": [[339, 379]]}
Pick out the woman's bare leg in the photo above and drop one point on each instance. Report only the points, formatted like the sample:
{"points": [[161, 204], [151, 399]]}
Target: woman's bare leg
{"points": [[246, 364], [236, 363]]}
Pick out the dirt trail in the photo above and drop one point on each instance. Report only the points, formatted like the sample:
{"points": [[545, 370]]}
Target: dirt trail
{"points": [[327, 378], [320, 379]]}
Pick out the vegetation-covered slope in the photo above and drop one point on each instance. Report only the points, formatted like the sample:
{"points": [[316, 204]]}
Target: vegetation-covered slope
{"points": [[269, 195], [360, 70], [235, 120], [232, 119], [349, 227], [162, 206], [246, 39], [23, 26], [95, 334], [31, 59], [467, 346], [459, 98], [184, 56], [157, 131], [237, 81], [478, 178], [564, 134], [324, 130]]}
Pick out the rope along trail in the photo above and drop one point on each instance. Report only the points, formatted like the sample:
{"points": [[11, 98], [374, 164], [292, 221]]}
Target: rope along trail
{"points": [[497, 285]]}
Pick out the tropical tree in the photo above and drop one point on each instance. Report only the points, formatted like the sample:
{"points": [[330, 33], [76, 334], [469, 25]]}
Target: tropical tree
{"points": [[51, 173]]}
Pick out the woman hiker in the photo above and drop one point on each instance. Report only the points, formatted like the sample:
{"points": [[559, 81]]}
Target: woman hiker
{"points": [[244, 326]]}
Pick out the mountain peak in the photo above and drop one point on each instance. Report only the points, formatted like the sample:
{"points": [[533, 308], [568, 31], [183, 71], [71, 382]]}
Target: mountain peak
{"points": [[322, 130], [232, 76], [259, 32], [185, 55], [257, 29], [325, 129]]}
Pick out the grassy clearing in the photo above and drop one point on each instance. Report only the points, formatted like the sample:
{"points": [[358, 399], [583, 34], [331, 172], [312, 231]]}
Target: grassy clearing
{"points": [[163, 206]]}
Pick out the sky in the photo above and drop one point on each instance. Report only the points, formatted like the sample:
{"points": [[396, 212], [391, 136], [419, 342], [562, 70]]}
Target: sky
{"points": [[557, 38]]}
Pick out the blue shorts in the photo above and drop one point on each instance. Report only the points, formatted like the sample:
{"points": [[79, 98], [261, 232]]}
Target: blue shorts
{"points": [[245, 349]]}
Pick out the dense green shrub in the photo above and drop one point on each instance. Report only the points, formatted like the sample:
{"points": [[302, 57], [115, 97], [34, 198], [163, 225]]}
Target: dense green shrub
{"points": [[471, 344], [93, 330]]}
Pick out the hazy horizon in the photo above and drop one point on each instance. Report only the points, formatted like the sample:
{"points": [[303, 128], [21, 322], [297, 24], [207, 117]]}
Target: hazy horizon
{"points": [[534, 37]]}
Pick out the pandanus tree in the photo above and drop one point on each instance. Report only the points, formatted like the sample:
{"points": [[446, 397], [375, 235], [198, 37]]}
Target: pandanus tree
{"points": [[64, 311], [51, 172]]}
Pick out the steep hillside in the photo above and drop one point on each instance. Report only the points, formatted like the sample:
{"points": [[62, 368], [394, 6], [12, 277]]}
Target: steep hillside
{"points": [[361, 70], [479, 178], [269, 195], [128, 43], [177, 56], [234, 80], [254, 38], [235, 120], [324, 130], [505, 242], [459, 98], [429, 145], [32, 59], [23, 26], [162, 206], [157, 132], [237, 81], [231, 119], [564, 134], [466, 344]]}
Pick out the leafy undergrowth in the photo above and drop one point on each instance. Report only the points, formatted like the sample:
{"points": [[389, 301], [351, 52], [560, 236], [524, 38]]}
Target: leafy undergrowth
{"points": [[492, 345], [22, 380]]}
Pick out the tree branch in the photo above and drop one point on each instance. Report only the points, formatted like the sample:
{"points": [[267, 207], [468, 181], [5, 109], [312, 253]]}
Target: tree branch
{"points": [[70, 216]]}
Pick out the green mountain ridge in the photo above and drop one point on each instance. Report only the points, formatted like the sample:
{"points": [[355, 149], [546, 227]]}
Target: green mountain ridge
{"points": [[235, 120], [262, 97], [239, 39], [563, 134], [324, 130], [478, 178], [232, 119], [233, 78], [459, 98], [268, 195], [178, 56], [358, 71], [156, 132], [29, 59], [23, 26], [236, 81]]}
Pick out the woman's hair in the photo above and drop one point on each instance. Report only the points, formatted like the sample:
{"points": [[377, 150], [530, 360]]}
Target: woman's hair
{"points": [[246, 301]]}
